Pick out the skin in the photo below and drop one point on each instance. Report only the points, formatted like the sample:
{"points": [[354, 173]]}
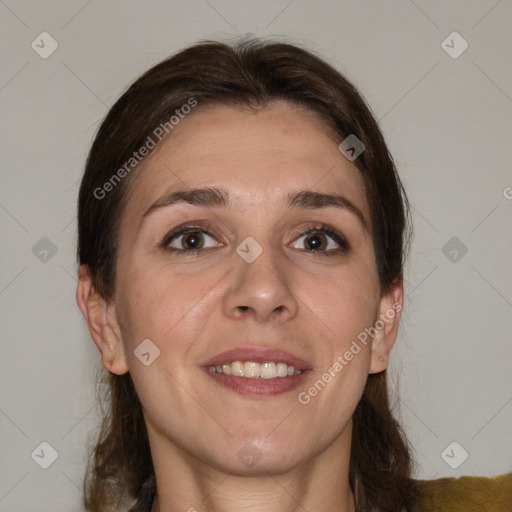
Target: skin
{"points": [[290, 297]]}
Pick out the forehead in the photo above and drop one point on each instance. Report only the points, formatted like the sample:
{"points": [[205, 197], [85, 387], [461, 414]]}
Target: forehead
{"points": [[257, 155]]}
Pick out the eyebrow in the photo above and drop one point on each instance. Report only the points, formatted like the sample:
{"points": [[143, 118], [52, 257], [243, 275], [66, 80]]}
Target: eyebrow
{"points": [[216, 197]]}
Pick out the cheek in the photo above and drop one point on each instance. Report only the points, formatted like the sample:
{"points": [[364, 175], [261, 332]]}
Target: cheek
{"points": [[342, 308], [168, 307], [343, 303]]}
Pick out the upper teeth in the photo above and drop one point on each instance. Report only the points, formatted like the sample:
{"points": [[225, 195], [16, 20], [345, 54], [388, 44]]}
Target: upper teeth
{"points": [[252, 370]]}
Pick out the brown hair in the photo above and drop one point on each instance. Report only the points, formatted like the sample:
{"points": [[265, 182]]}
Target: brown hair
{"points": [[246, 74]]}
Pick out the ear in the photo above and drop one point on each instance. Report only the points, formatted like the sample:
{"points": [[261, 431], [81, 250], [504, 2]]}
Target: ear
{"points": [[386, 325], [101, 318]]}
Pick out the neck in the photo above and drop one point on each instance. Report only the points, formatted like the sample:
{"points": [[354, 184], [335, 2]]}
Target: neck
{"points": [[271, 494], [184, 483]]}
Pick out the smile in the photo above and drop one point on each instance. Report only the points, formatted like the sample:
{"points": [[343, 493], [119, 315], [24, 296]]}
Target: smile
{"points": [[253, 370]]}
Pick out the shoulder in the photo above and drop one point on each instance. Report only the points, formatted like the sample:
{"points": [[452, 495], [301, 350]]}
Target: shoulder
{"points": [[465, 494]]}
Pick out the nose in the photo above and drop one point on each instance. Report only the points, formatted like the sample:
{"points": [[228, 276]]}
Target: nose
{"points": [[260, 290]]}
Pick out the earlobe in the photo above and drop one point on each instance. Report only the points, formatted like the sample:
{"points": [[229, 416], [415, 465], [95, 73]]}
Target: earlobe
{"points": [[386, 325], [102, 323]]}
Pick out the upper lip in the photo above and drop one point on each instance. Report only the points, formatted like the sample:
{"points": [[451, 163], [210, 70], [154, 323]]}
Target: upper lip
{"points": [[258, 355]]}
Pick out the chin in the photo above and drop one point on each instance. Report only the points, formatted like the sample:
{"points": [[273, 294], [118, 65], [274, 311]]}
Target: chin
{"points": [[254, 456], [259, 464]]}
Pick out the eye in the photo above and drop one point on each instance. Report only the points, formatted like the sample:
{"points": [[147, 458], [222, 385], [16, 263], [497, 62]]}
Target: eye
{"points": [[322, 238], [190, 239], [193, 239]]}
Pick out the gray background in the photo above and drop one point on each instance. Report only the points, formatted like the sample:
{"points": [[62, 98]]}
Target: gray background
{"points": [[448, 124]]}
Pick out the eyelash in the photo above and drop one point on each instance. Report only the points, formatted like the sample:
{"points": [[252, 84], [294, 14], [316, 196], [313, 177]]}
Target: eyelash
{"points": [[195, 228]]}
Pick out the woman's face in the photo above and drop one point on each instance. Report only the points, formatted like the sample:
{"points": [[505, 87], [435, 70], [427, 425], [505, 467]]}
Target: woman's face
{"points": [[265, 276]]}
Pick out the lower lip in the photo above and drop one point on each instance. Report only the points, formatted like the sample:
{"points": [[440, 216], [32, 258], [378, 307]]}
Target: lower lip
{"points": [[258, 387]]}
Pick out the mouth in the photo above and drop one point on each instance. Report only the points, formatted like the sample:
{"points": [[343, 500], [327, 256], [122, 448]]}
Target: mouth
{"points": [[256, 371]]}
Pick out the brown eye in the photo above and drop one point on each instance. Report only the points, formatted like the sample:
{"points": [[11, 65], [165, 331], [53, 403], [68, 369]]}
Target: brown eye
{"points": [[189, 240], [192, 240], [322, 239]]}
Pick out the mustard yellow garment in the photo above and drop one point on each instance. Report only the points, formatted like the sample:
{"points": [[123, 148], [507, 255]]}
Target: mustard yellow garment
{"points": [[466, 494]]}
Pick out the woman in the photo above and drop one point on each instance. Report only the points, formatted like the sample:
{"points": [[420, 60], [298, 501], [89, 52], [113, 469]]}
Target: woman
{"points": [[241, 246]]}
